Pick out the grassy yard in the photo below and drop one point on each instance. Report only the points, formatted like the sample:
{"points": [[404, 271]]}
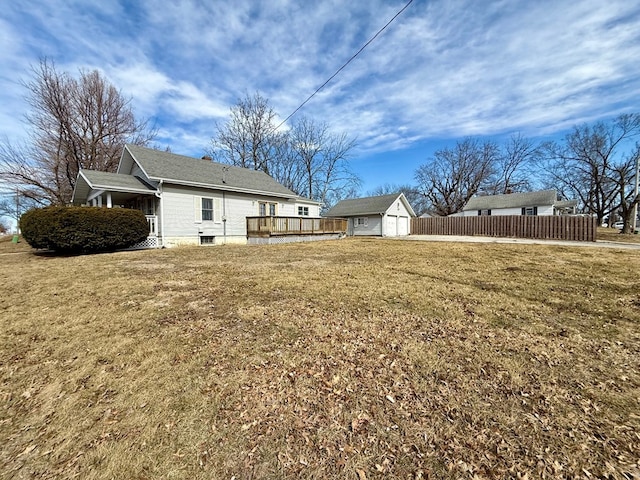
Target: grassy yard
{"points": [[355, 359]]}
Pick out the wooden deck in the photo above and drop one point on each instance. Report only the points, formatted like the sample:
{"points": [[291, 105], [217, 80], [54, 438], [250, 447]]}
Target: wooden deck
{"points": [[276, 226]]}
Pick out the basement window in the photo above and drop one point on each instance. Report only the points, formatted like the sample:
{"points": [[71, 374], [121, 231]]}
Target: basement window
{"points": [[207, 240]]}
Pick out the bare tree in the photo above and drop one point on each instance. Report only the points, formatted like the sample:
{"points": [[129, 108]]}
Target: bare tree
{"points": [[308, 159], [590, 164], [248, 137], [623, 173], [513, 166], [322, 160], [452, 176], [73, 124], [411, 192]]}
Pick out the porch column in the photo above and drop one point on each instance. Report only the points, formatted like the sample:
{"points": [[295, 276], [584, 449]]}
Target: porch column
{"points": [[99, 200], [109, 204]]}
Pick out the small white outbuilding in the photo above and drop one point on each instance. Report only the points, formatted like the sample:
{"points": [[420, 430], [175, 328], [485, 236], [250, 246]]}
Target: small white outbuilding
{"points": [[383, 215]]}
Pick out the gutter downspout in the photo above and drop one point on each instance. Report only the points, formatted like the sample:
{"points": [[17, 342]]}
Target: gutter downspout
{"points": [[159, 195], [224, 219]]}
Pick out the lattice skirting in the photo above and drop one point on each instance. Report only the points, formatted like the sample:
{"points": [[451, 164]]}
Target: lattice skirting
{"points": [[150, 242], [291, 239]]}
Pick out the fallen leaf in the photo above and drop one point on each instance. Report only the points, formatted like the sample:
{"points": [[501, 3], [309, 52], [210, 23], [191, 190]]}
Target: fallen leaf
{"points": [[361, 475], [28, 450]]}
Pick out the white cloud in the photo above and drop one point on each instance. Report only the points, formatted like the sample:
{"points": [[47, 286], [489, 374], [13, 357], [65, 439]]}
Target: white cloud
{"points": [[444, 68]]}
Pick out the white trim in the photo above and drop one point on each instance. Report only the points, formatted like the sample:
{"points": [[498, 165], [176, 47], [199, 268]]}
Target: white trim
{"points": [[210, 186], [197, 208], [217, 210]]}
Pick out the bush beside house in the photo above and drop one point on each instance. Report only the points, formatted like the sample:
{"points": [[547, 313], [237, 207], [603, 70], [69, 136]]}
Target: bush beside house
{"points": [[83, 229]]}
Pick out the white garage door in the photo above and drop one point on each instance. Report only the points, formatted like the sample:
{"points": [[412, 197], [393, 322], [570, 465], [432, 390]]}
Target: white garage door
{"points": [[403, 226], [392, 226]]}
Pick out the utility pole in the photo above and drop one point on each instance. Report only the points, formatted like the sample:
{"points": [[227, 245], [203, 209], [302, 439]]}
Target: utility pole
{"points": [[635, 197], [17, 211]]}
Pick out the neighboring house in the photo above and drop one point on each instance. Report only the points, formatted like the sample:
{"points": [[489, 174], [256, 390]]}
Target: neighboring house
{"points": [[541, 203], [190, 201], [384, 215]]}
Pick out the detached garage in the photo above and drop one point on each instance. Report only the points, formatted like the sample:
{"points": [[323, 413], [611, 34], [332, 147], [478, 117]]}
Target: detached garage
{"points": [[384, 215]]}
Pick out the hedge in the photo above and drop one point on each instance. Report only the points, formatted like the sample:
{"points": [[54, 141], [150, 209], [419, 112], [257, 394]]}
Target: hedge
{"points": [[83, 229]]}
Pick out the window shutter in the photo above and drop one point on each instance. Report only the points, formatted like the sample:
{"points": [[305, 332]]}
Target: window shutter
{"points": [[217, 210], [197, 209], [524, 211]]}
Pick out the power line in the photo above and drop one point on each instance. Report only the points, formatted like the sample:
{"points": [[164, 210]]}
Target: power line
{"points": [[346, 63]]}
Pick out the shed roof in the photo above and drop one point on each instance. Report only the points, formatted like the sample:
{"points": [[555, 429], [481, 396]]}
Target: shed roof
{"points": [[169, 167], [367, 206], [512, 200]]}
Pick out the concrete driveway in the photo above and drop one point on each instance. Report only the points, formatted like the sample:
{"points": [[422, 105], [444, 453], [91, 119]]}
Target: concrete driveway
{"points": [[524, 241]]}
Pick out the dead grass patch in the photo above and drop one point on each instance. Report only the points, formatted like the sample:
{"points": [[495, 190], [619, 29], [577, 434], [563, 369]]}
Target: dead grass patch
{"points": [[614, 235], [347, 359]]}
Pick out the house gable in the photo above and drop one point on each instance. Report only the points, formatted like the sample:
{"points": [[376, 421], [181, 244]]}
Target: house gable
{"points": [[378, 205]]}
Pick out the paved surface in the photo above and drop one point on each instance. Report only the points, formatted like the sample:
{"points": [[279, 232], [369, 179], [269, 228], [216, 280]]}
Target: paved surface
{"points": [[524, 241]]}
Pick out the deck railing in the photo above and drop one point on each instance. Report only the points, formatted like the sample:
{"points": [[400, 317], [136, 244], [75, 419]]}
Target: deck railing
{"points": [[152, 220], [270, 226]]}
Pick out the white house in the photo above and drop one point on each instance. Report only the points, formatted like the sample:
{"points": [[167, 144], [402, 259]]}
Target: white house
{"points": [[384, 215], [544, 202], [187, 200]]}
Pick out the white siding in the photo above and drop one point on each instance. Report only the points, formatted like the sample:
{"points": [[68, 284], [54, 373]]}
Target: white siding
{"points": [[372, 228], [314, 209], [543, 210], [182, 224]]}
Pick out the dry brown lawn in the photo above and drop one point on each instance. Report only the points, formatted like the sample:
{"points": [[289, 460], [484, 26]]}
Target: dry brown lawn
{"points": [[355, 359], [614, 235]]}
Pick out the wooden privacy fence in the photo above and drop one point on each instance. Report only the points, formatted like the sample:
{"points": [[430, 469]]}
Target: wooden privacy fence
{"points": [[561, 227], [269, 226]]}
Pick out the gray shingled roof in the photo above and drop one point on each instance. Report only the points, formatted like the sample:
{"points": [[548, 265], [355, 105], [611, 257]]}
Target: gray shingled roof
{"points": [[512, 200], [93, 180], [362, 206], [115, 180], [170, 167]]}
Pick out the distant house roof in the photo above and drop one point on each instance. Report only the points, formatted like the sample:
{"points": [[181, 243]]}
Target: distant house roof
{"points": [[367, 206], [517, 200], [172, 168]]}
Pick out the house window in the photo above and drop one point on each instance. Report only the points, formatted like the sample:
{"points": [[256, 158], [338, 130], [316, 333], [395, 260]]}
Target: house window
{"points": [[207, 209], [265, 207], [361, 222], [303, 211], [207, 240], [484, 213], [530, 211]]}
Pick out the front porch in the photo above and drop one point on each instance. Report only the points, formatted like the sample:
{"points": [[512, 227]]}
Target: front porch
{"points": [[270, 229]]}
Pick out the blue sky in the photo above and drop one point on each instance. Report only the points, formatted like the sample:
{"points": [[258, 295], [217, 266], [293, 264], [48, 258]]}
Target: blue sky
{"points": [[445, 69]]}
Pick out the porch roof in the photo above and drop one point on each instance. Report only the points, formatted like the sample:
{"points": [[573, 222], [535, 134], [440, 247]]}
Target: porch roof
{"points": [[91, 180]]}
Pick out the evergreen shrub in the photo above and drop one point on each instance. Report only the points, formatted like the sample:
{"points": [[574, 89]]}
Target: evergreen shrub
{"points": [[83, 229]]}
